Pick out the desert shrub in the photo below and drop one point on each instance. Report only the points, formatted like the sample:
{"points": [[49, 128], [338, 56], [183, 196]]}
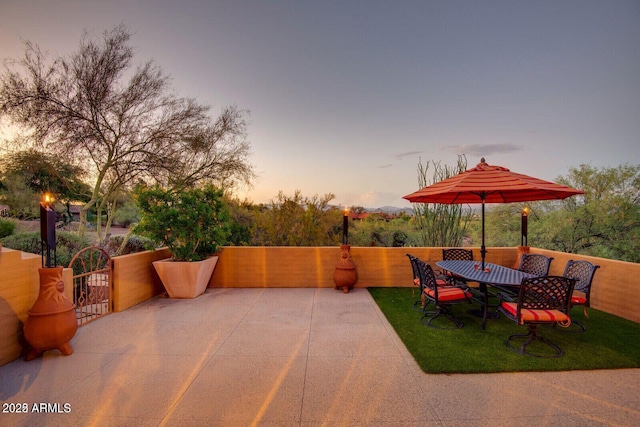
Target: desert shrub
{"points": [[7, 228], [67, 245], [25, 242], [126, 215], [134, 244], [393, 233]]}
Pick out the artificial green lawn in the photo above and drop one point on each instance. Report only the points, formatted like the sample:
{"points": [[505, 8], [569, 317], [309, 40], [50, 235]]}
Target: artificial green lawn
{"points": [[610, 342]]}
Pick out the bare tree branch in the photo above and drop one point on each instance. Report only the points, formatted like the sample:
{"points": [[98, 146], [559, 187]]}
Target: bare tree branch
{"points": [[81, 108]]}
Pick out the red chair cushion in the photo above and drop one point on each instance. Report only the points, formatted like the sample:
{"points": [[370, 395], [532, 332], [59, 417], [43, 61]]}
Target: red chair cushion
{"points": [[439, 282], [576, 300], [529, 315], [448, 293]]}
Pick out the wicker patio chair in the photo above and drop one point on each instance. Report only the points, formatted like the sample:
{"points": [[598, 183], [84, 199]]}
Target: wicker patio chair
{"points": [[582, 272], [456, 254], [535, 264], [541, 300], [443, 298]]}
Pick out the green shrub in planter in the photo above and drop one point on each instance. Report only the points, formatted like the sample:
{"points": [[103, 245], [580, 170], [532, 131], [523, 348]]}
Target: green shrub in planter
{"points": [[192, 223]]}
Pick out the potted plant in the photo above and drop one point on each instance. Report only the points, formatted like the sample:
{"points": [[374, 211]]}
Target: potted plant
{"points": [[193, 223]]}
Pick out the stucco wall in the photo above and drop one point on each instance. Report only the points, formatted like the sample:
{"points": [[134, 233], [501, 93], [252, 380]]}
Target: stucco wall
{"points": [[134, 279], [19, 288], [293, 267], [616, 285]]}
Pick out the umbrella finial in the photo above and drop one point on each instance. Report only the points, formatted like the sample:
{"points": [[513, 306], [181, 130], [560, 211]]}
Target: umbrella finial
{"points": [[482, 160]]}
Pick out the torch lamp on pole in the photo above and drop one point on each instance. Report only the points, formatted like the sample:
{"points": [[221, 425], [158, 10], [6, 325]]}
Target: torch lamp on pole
{"points": [[48, 231], [523, 228], [345, 226]]}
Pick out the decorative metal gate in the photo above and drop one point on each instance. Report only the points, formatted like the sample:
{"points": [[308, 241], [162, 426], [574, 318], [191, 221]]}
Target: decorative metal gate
{"points": [[91, 284]]}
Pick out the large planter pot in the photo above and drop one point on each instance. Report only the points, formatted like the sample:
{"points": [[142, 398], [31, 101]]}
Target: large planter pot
{"points": [[52, 319], [185, 279]]}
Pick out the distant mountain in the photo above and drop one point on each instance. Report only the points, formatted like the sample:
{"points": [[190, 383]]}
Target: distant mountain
{"points": [[390, 210]]}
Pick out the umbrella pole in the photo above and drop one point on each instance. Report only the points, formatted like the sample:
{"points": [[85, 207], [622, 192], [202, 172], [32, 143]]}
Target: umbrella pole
{"points": [[483, 249]]}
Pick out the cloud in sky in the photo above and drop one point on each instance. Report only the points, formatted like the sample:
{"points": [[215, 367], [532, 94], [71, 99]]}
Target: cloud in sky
{"points": [[407, 154], [373, 199], [484, 149]]}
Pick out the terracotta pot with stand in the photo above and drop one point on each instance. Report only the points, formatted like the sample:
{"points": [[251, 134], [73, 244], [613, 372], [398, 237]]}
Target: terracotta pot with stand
{"points": [[52, 320], [345, 275]]}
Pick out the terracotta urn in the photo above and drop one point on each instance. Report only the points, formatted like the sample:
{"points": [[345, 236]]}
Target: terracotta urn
{"points": [[345, 275], [52, 319]]}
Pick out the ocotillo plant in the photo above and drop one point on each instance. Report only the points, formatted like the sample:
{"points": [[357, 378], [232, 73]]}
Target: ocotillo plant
{"points": [[441, 224]]}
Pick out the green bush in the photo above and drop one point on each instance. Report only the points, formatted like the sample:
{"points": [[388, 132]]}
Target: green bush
{"points": [[6, 228], [25, 242], [126, 215], [393, 233], [67, 245], [193, 223], [134, 244]]}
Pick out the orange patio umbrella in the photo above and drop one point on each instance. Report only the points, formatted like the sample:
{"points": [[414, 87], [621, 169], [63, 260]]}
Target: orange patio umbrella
{"points": [[490, 184]]}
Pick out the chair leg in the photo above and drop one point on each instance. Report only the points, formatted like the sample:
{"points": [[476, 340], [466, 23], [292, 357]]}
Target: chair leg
{"points": [[531, 337], [570, 328], [421, 305], [444, 311]]}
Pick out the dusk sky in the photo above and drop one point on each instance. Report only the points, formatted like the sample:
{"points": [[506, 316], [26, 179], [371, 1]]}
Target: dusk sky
{"points": [[346, 97]]}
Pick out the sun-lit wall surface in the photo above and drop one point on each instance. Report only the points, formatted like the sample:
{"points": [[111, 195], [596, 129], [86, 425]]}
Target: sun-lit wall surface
{"points": [[134, 279], [293, 267], [616, 285], [19, 288]]}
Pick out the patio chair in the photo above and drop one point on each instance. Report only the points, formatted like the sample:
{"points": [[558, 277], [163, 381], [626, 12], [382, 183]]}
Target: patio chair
{"points": [[456, 254], [418, 282], [416, 277], [582, 272], [542, 300], [443, 298], [535, 264]]}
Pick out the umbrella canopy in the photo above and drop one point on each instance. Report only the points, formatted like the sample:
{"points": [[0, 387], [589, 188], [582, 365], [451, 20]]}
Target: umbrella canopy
{"points": [[490, 184]]}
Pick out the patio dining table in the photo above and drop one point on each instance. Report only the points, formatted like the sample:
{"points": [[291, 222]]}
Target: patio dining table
{"points": [[493, 275]]}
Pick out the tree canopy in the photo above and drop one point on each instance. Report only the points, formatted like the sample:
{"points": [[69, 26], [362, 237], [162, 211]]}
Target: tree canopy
{"points": [[26, 175], [607, 222], [123, 125], [298, 221], [604, 222]]}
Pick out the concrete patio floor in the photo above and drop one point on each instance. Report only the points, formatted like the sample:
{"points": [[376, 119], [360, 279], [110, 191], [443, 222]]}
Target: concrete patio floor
{"points": [[286, 357]]}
